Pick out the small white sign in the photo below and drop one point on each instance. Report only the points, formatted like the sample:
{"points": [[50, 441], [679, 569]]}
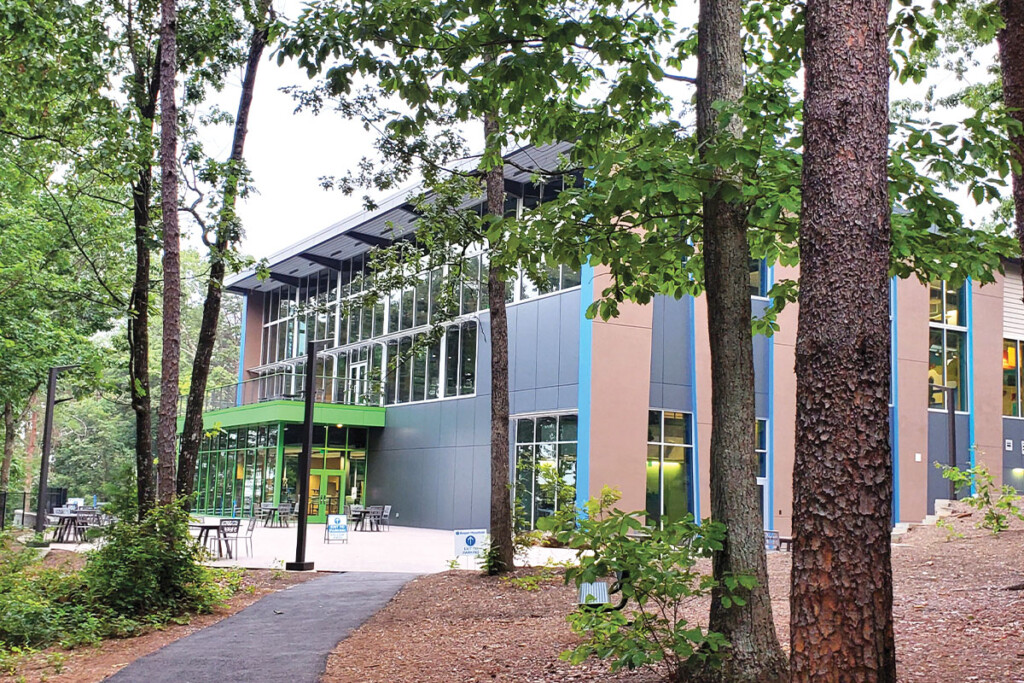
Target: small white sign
{"points": [[1009, 444], [337, 528], [470, 542]]}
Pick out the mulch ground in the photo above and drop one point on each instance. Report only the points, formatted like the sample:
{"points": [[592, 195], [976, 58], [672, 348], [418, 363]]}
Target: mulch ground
{"points": [[955, 620], [91, 664]]}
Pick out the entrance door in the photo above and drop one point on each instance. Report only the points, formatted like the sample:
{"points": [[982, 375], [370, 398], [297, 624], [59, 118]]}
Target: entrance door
{"points": [[358, 374], [325, 495]]}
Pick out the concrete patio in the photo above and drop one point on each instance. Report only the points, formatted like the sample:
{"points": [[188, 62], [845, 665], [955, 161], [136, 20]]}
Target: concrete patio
{"points": [[402, 549]]}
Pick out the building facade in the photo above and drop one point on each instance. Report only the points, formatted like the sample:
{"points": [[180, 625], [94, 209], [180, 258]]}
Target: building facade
{"points": [[624, 402]]}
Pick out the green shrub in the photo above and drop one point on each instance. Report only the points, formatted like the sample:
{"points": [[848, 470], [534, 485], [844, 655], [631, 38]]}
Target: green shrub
{"points": [[659, 573], [151, 566], [997, 504]]}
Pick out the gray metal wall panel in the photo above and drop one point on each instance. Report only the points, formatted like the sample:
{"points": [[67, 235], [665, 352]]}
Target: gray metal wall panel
{"points": [[546, 359], [939, 452], [1013, 430], [525, 376], [569, 338], [671, 353], [547, 399], [432, 460]]}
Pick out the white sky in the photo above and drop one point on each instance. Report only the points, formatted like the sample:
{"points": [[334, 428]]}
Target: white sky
{"points": [[288, 152]]}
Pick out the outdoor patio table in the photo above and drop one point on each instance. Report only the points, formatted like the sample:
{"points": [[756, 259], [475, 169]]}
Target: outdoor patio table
{"points": [[204, 535], [270, 513], [359, 518], [66, 528]]}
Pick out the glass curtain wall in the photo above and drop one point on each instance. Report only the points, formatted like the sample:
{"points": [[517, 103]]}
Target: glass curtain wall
{"points": [[669, 463], [947, 344], [545, 475], [235, 471], [1012, 377]]}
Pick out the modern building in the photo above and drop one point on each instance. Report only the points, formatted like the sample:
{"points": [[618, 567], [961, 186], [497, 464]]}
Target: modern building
{"points": [[625, 402]]}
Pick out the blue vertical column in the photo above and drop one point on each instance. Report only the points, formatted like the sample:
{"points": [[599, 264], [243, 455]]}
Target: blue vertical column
{"points": [[695, 460], [584, 384], [969, 305]]}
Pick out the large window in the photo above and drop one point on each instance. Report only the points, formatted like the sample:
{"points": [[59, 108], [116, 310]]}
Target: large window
{"points": [[758, 272], [761, 449], [1012, 377], [235, 470], [947, 345], [669, 462], [545, 449]]}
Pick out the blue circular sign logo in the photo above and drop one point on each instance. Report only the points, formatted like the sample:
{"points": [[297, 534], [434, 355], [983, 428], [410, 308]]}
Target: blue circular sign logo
{"points": [[471, 541]]}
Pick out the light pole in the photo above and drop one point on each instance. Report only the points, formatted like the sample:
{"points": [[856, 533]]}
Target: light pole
{"points": [[300, 564], [44, 467]]}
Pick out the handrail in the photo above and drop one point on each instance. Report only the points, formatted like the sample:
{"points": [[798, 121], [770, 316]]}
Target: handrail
{"points": [[286, 386]]}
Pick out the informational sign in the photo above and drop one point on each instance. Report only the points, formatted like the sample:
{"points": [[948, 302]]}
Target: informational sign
{"points": [[337, 528], [470, 542]]}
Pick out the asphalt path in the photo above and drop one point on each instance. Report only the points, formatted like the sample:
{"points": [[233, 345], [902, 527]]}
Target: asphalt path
{"points": [[282, 638]]}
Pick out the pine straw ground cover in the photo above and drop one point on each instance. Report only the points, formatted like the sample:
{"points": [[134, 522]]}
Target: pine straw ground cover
{"points": [[955, 620]]}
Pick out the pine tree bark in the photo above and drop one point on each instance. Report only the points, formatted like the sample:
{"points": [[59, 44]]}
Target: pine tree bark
{"points": [[169, 365], [501, 500], [147, 88], [841, 597], [1011, 58], [9, 435], [755, 653], [226, 237]]}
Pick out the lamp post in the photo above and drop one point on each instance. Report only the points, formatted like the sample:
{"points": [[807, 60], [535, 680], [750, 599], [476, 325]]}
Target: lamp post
{"points": [[44, 467], [300, 564]]}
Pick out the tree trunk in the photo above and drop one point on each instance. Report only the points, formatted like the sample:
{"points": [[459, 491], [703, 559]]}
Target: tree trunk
{"points": [[841, 598], [1011, 58], [501, 501], [226, 238], [755, 654], [168, 409], [147, 89], [9, 426]]}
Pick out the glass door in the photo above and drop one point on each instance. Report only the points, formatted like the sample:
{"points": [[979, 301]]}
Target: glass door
{"points": [[358, 374], [326, 479]]}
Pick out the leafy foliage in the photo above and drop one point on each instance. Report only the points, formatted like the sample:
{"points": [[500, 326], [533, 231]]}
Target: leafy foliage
{"points": [[152, 565], [997, 503], [658, 573]]}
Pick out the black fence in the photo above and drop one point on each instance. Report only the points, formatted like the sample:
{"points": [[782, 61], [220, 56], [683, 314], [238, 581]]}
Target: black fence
{"points": [[14, 504]]}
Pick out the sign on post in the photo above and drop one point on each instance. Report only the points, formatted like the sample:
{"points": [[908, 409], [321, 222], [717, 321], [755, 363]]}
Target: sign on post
{"points": [[470, 542], [337, 529]]}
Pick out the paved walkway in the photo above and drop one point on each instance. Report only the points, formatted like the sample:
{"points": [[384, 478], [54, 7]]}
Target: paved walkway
{"points": [[283, 638]]}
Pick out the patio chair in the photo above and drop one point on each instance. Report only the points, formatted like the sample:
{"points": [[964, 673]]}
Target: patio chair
{"points": [[227, 534], [83, 520], [376, 514], [247, 537], [284, 512], [385, 518], [266, 512]]}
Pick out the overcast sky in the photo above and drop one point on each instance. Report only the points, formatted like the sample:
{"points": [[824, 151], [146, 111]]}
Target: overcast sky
{"points": [[288, 152]]}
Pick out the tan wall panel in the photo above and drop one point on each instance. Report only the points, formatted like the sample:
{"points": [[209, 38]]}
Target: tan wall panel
{"points": [[987, 319], [912, 409], [784, 409], [253, 331], [619, 400], [702, 377]]}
